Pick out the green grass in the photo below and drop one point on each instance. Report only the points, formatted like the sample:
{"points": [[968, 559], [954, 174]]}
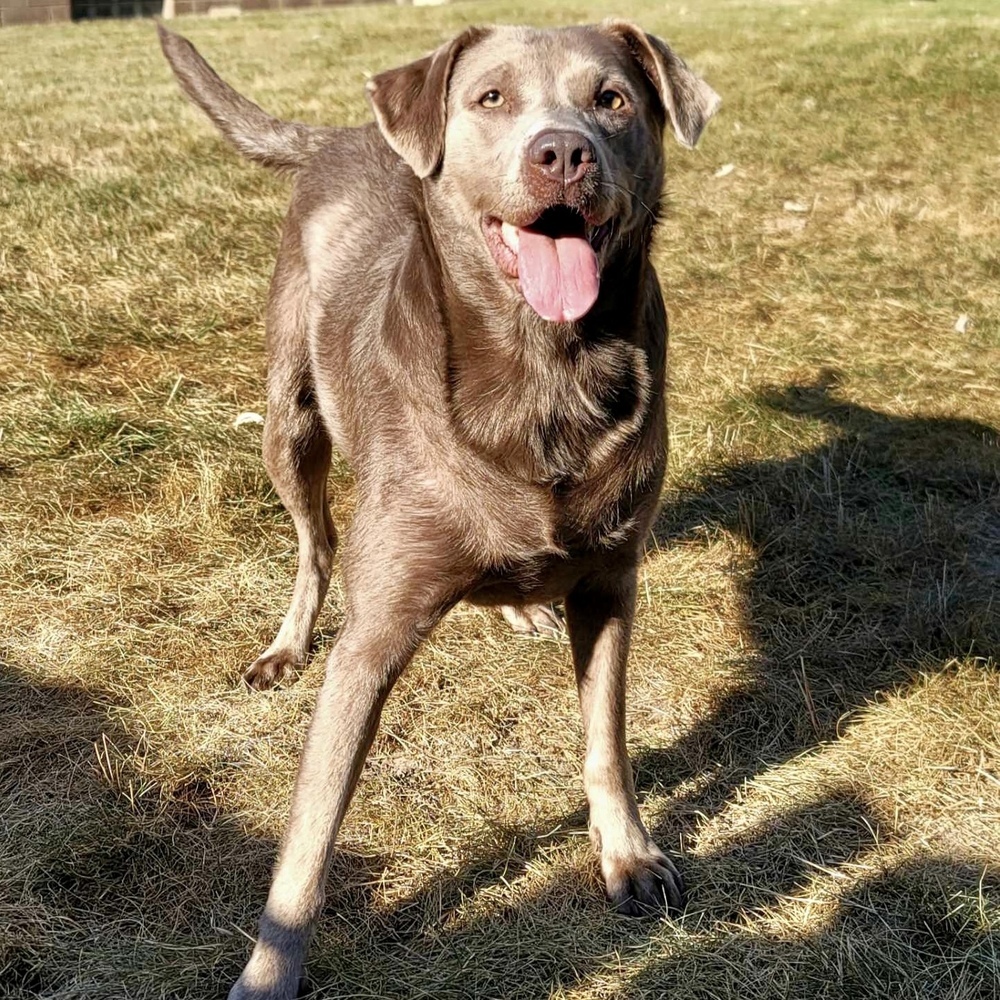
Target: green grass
{"points": [[815, 707]]}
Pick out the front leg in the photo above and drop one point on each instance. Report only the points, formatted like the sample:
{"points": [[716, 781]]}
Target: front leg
{"points": [[376, 643], [638, 875]]}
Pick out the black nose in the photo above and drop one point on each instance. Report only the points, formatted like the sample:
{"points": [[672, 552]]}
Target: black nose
{"points": [[561, 156]]}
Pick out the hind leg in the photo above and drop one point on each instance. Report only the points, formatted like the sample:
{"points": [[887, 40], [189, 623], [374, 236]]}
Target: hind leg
{"points": [[297, 454], [535, 620]]}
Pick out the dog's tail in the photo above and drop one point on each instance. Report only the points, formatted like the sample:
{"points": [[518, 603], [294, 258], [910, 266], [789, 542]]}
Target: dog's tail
{"points": [[256, 134]]}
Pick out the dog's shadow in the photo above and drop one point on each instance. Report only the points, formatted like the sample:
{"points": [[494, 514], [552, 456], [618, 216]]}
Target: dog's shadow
{"points": [[872, 557]]}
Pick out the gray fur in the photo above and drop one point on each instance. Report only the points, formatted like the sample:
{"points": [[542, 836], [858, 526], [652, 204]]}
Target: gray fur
{"points": [[500, 458]]}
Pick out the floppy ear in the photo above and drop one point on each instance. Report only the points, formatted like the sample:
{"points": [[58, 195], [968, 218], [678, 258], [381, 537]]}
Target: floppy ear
{"points": [[688, 101], [410, 103]]}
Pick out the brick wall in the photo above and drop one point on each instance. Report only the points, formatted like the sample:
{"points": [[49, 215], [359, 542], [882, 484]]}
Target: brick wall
{"points": [[182, 7], [42, 11], [33, 11]]}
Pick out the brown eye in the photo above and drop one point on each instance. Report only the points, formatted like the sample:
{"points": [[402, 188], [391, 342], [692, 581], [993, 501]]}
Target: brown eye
{"points": [[491, 99], [611, 100]]}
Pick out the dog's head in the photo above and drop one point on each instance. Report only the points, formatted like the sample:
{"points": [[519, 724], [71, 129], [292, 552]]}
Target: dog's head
{"points": [[549, 141]]}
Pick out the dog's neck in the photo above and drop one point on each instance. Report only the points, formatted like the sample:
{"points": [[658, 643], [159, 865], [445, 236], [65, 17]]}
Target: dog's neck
{"points": [[536, 396]]}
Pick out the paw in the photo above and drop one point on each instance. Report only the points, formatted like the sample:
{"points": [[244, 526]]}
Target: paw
{"points": [[644, 883], [244, 990], [270, 669], [271, 974], [535, 620]]}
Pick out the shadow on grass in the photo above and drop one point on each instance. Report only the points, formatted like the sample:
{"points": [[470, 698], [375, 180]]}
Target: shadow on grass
{"points": [[872, 557], [924, 928], [913, 931], [110, 886], [869, 558]]}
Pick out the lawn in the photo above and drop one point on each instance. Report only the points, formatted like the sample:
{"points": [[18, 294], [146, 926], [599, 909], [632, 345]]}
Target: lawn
{"points": [[815, 702]]}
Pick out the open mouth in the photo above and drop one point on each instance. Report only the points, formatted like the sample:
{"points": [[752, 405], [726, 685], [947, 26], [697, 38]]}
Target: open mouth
{"points": [[554, 260]]}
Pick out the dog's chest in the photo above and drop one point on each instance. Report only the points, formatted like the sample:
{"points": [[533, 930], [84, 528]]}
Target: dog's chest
{"points": [[586, 527], [553, 418], [591, 462]]}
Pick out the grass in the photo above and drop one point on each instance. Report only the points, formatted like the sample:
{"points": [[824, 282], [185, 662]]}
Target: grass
{"points": [[815, 707]]}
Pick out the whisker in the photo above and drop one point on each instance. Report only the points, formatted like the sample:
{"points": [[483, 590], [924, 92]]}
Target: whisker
{"points": [[631, 194]]}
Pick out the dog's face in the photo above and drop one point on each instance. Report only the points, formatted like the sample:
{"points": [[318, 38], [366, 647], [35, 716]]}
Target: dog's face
{"points": [[550, 143]]}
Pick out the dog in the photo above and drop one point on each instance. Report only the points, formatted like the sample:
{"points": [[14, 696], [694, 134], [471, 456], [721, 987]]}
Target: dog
{"points": [[464, 307]]}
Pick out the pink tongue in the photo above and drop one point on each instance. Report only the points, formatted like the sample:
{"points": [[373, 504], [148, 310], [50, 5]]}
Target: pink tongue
{"points": [[558, 277]]}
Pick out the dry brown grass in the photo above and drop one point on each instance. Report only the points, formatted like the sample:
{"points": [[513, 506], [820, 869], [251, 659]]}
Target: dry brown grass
{"points": [[815, 711]]}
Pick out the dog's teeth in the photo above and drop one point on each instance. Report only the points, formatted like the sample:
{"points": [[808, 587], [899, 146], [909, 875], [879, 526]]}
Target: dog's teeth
{"points": [[508, 234]]}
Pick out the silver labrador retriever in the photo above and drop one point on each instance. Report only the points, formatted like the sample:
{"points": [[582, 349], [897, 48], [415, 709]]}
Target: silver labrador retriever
{"points": [[464, 306]]}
